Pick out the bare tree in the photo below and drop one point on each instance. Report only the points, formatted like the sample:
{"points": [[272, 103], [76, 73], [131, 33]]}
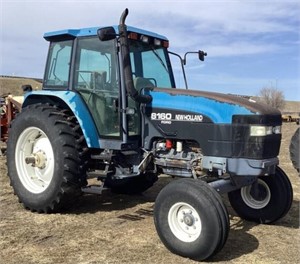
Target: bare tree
{"points": [[272, 96]]}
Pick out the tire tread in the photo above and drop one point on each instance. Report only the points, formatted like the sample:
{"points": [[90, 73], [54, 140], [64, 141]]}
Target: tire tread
{"points": [[72, 155]]}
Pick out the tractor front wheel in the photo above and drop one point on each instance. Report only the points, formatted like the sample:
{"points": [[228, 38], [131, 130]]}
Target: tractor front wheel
{"points": [[191, 219], [295, 150], [266, 200]]}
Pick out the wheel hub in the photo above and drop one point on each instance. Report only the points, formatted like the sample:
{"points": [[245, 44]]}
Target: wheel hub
{"points": [[189, 219], [256, 196], [34, 159], [37, 160], [258, 192], [184, 222]]}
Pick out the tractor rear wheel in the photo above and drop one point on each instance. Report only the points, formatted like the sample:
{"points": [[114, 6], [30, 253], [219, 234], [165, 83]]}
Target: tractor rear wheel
{"points": [[45, 158], [191, 219], [265, 201]]}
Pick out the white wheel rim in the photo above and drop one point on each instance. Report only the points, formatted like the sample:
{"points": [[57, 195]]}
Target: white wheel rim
{"points": [[254, 202], [184, 222], [34, 143]]}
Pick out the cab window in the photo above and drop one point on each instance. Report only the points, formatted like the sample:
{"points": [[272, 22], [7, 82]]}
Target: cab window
{"points": [[95, 78], [151, 64], [58, 64]]}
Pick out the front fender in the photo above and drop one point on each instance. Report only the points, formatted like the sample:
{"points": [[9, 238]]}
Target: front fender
{"points": [[75, 103]]}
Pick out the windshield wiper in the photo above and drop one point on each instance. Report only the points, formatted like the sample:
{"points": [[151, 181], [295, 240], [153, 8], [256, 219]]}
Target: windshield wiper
{"points": [[160, 60]]}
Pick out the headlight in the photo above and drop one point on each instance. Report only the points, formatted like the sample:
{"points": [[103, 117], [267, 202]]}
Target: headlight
{"points": [[260, 131]]}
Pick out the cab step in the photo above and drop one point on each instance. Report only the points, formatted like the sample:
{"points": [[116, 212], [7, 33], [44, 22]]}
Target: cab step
{"points": [[94, 189]]}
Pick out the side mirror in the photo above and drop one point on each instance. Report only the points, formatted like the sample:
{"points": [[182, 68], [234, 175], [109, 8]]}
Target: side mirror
{"points": [[107, 33], [201, 55]]}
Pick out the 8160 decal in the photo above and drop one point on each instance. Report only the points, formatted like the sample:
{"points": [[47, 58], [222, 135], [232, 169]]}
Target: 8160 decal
{"points": [[167, 118], [161, 116]]}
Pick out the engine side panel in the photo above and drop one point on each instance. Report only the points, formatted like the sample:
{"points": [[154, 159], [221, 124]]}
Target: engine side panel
{"points": [[221, 128]]}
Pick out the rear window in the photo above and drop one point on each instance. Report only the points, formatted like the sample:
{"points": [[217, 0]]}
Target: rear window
{"points": [[58, 64]]}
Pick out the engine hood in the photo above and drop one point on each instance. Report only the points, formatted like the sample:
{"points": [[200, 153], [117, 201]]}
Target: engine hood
{"points": [[220, 108]]}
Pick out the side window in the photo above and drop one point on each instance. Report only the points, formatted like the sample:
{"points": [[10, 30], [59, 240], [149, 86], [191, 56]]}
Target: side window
{"points": [[95, 65], [58, 65]]}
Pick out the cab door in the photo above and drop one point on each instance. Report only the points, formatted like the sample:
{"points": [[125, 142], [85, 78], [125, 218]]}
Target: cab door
{"points": [[96, 79]]}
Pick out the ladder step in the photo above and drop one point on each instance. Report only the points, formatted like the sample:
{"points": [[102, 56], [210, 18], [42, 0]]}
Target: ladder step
{"points": [[93, 189], [101, 174], [102, 156]]}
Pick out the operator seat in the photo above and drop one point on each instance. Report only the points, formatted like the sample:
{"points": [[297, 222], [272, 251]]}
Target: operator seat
{"points": [[97, 100], [140, 83], [99, 80]]}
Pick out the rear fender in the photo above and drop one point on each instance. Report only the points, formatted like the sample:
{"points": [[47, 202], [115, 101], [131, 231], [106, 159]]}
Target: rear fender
{"points": [[74, 102]]}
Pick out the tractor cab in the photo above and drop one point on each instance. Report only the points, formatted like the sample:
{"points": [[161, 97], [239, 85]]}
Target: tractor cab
{"points": [[80, 62]]}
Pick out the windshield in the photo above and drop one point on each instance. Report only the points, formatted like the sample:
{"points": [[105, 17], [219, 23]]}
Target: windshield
{"points": [[151, 63]]}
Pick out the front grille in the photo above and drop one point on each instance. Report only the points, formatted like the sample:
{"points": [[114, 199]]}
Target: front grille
{"points": [[268, 120]]}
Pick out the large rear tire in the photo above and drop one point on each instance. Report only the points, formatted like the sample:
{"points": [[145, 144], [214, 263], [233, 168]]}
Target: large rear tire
{"points": [[266, 201], [45, 158], [191, 219]]}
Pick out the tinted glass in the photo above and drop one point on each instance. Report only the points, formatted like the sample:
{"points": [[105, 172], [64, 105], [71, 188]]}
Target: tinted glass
{"points": [[95, 77], [58, 65], [150, 63]]}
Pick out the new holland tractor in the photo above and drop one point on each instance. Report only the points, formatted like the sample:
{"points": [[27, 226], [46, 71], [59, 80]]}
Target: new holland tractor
{"points": [[110, 110]]}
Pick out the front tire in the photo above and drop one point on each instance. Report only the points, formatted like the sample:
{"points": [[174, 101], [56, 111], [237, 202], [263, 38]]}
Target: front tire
{"points": [[295, 149], [265, 201], [45, 158], [191, 219]]}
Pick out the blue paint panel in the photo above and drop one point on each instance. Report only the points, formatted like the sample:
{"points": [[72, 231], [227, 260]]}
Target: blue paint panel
{"points": [[218, 112], [78, 107], [93, 32], [145, 32]]}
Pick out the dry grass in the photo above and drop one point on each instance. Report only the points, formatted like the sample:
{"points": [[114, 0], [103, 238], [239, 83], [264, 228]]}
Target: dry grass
{"points": [[119, 229], [13, 85]]}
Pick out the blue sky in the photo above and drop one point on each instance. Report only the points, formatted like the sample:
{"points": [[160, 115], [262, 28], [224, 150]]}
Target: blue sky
{"points": [[250, 44]]}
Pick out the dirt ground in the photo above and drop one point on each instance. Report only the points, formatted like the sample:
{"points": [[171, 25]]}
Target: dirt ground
{"points": [[119, 229]]}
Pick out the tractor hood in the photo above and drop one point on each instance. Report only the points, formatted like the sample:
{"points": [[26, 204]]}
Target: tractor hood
{"points": [[217, 107]]}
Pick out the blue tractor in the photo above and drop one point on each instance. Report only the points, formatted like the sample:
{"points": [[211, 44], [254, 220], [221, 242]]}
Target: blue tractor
{"points": [[110, 110]]}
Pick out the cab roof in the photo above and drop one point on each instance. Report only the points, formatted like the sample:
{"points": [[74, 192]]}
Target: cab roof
{"points": [[83, 32]]}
